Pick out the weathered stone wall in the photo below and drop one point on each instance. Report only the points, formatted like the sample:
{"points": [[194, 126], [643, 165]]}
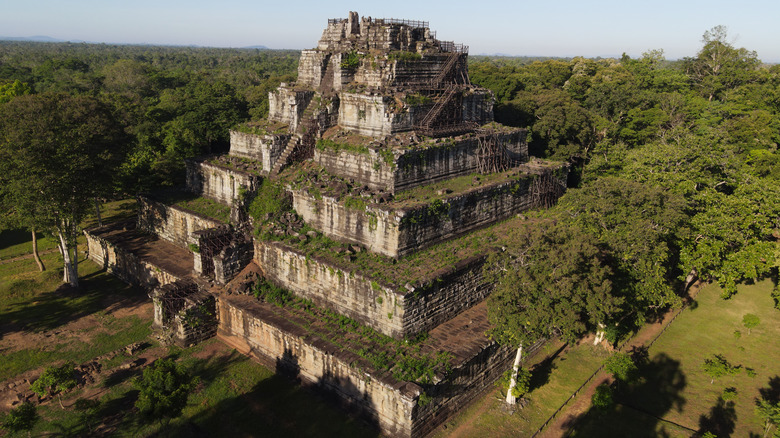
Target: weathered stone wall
{"points": [[286, 105], [370, 169], [466, 382], [311, 67], [478, 106], [219, 183], [447, 159], [172, 223], [126, 265], [347, 293], [393, 406], [232, 259], [397, 233], [370, 115], [414, 167], [184, 313], [264, 148], [397, 313], [248, 328]]}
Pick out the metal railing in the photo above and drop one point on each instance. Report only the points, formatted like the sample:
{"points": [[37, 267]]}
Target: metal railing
{"points": [[450, 46], [410, 23]]}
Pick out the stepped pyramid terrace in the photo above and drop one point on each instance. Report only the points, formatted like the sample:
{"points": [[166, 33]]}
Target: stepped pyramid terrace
{"points": [[344, 239]]}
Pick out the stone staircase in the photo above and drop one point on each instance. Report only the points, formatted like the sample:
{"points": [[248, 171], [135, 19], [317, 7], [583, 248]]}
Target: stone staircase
{"points": [[288, 150], [309, 114]]}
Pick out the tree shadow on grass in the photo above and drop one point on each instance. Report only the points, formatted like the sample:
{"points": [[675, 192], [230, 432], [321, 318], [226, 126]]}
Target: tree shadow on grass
{"points": [[639, 406], [721, 420], [540, 373], [275, 407], [47, 311], [772, 392]]}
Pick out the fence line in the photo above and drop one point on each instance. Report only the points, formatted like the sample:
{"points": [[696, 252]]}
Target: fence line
{"points": [[574, 394]]}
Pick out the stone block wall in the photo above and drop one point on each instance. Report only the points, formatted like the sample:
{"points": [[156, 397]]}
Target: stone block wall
{"points": [[232, 259], [393, 406], [346, 293], [185, 313], [247, 327], [219, 183], [264, 148], [450, 158], [126, 265], [397, 313], [395, 233], [370, 169], [286, 105], [414, 167], [371, 115], [172, 223]]}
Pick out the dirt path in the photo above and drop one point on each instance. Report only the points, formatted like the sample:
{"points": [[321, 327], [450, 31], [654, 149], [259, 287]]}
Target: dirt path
{"points": [[27, 256]]}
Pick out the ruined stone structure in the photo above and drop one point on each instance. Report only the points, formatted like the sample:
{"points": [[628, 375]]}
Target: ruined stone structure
{"points": [[383, 146]]}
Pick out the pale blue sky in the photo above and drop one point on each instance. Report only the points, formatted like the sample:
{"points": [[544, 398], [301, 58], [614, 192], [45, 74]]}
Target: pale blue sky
{"points": [[592, 28]]}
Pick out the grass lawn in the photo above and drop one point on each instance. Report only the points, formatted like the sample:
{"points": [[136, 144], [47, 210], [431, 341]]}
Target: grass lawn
{"points": [[676, 396], [552, 382]]}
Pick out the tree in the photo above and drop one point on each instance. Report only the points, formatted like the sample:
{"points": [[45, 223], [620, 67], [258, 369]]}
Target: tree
{"points": [[717, 366], [769, 413], [554, 282], [602, 398], [55, 380], [750, 320], [56, 153], [21, 418], [719, 66], [621, 366], [164, 389], [639, 224]]}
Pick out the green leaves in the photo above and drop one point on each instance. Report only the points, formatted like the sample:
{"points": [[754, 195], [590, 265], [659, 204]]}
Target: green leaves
{"points": [[164, 388], [554, 281], [55, 379]]}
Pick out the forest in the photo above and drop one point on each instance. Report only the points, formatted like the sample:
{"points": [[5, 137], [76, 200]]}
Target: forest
{"points": [[674, 174]]}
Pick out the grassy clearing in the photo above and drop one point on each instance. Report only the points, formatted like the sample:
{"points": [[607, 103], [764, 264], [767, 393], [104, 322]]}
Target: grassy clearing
{"points": [[237, 397], [37, 306], [555, 375], [676, 389]]}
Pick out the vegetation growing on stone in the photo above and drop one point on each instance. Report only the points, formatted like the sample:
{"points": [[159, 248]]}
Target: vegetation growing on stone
{"points": [[407, 360]]}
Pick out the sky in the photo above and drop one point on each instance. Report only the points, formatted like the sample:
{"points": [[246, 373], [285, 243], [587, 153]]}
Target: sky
{"points": [[560, 28]]}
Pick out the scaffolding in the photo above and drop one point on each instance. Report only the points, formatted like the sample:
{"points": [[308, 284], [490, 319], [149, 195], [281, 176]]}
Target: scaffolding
{"points": [[211, 242], [546, 189], [173, 298], [492, 155]]}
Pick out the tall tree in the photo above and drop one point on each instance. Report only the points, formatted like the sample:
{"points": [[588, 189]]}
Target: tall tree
{"points": [[56, 151], [553, 282]]}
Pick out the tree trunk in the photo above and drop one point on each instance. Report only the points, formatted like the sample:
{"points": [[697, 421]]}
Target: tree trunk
{"points": [[601, 333], [511, 399], [689, 279], [97, 212], [69, 274], [37, 256]]}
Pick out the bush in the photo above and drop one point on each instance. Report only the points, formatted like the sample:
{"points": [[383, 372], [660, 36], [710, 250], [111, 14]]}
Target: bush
{"points": [[271, 200], [602, 399], [522, 384], [164, 388], [55, 380], [21, 418], [621, 366]]}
